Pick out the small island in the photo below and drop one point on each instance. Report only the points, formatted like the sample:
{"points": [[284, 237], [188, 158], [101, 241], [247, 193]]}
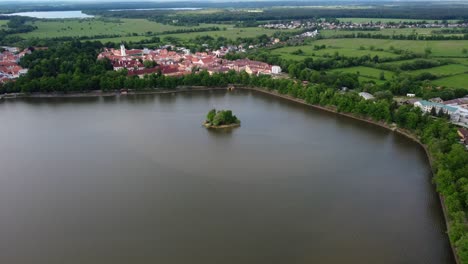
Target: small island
{"points": [[221, 119]]}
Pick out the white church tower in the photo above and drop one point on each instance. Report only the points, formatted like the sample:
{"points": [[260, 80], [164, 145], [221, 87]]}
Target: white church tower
{"points": [[122, 50]]}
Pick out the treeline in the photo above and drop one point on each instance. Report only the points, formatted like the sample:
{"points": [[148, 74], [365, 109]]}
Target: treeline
{"points": [[402, 11], [402, 36], [100, 36], [15, 25], [416, 64]]}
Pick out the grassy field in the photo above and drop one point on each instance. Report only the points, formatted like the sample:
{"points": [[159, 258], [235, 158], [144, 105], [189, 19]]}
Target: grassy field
{"points": [[385, 31], [456, 81], [445, 48], [446, 70], [308, 51], [229, 33], [93, 27], [368, 72]]}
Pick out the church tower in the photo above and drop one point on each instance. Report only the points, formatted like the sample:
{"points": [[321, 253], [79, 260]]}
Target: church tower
{"points": [[122, 50]]}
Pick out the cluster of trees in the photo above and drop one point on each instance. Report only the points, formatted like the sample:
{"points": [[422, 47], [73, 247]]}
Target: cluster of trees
{"points": [[221, 117], [414, 36], [402, 11], [15, 25]]}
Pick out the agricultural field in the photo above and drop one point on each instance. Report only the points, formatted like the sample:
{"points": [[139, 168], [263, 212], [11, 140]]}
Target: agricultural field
{"points": [[308, 51], [368, 72], [226, 32], [456, 81], [94, 27], [454, 74], [445, 48], [445, 70], [385, 31], [229, 33]]}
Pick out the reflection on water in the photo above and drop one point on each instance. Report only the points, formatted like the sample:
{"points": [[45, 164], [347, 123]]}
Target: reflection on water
{"points": [[138, 179], [52, 14]]}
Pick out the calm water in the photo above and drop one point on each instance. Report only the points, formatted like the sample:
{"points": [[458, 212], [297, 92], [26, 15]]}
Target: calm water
{"points": [[52, 14], [138, 180]]}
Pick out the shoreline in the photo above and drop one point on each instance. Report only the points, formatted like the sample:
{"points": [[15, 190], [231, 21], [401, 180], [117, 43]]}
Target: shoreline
{"points": [[221, 126], [183, 89], [400, 131], [98, 93]]}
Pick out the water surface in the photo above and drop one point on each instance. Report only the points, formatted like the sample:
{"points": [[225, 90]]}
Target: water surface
{"points": [[52, 14], [137, 179]]}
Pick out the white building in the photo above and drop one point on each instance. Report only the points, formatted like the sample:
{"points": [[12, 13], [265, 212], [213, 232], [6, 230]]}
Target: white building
{"points": [[123, 52], [410, 95], [366, 96], [276, 69]]}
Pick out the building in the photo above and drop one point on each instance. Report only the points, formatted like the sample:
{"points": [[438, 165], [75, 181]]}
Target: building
{"points": [[410, 95], [436, 100], [463, 134], [123, 52], [427, 107], [461, 102], [366, 96], [276, 69]]}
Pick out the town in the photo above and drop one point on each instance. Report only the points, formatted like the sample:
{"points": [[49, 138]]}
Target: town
{"points": [[173, 61], [371, 25], [9, 59]]}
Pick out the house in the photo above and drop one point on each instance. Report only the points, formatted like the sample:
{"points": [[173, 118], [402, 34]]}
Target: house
{"points": [[366, 96], [436, 100], [463, 134], [276, 69], [410, 95], [427, 106], [461, 102]]}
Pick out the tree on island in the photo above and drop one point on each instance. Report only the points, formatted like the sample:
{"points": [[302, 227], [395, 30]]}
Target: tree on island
{"points": [[221, 118]]}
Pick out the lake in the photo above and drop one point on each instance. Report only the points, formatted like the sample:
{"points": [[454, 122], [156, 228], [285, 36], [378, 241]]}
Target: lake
{"points": [[137, 179], [52, 14]]}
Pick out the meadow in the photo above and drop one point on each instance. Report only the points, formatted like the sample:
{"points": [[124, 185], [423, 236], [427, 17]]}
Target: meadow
{"points": [[456, 81], [227, 32], [454, 74], [445, 48], [386, 32], [95, 27], [445, 70], [309, 51], [368, 72]]}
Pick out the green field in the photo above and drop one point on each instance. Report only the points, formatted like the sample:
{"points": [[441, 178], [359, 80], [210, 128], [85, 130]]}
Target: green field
{"points": [[308, 51], [368, 72], [230, 33], [385, 31], [445, 70], [456, 81], [93, 27], [440, 48], [127, 27]]}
